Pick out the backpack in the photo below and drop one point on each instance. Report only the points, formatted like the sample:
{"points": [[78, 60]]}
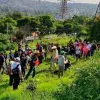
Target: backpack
{"points": [[16, 70]]}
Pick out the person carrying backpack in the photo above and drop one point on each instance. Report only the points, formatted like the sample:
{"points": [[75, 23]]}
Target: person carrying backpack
{"points": [[16, 72]]}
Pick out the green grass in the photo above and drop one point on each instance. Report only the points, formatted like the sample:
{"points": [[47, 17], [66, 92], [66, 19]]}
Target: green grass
{"points": [[46, 83], [81, 82]]}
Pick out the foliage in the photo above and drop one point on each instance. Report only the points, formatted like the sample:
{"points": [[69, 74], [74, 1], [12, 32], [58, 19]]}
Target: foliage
{"points": [[19, 35], [86, 86], [44, 24], [5, 43], [11, 25], [95, 30]]}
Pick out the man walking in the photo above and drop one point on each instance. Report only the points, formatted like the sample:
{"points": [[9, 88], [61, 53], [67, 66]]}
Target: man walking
{"points": [[16, 72]]}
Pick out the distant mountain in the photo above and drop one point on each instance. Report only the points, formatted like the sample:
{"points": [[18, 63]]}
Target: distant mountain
{"points": [[43, 7]]}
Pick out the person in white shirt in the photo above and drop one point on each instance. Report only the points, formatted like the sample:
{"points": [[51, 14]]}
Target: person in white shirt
{"points": [[77, 52], [16, 72], [54, 56]]}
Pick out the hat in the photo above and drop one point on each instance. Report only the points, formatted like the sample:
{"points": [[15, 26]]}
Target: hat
{"points": [[18, 59], [54, 47]]}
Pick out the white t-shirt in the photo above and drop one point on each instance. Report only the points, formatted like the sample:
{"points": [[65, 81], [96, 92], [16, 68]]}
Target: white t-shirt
{"points": [[14, 65], [78, 50]]}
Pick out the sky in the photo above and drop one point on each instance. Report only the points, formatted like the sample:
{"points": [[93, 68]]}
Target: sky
{"points": [[80, 1]]}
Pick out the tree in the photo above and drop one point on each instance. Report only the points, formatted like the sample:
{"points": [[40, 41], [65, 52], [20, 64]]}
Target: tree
{"points": [[68, 28], [9, 23], [59, 29], [46, 24], [95, 30], [34, 23], [23, 21]]}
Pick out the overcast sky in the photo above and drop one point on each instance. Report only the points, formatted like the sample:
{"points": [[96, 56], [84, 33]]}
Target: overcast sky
{"points": [[79, 1]]}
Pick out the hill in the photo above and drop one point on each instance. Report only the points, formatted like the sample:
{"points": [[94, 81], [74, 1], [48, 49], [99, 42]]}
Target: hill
{"points": [[43, 7]]}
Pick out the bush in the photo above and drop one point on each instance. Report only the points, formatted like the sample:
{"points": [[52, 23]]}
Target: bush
{"points": [[86, 86]]}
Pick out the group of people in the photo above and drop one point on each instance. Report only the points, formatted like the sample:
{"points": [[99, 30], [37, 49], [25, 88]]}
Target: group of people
{"points": [[21, 60], [80, 49], [18, 62]]}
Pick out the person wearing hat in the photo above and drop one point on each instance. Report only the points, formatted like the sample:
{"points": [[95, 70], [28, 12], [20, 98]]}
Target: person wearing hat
{"points": [[16, 72], [61, 64]]}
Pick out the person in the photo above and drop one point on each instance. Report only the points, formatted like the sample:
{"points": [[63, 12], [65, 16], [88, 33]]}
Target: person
{"points": [[16, 72], [5, 56], [32, 65], [26, 47], [77, 52], [67, 64], [89, 46], [54, 56], [58, 48], [1, 61], [49, 47], [10, 72], [93, 48], [16, 54], [23, 63], [85, 51], [72, 49], [39, 55], [61, 64]]}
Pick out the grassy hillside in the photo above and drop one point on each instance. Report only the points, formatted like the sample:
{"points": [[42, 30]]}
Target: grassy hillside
{"points": [[81, 82]]}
